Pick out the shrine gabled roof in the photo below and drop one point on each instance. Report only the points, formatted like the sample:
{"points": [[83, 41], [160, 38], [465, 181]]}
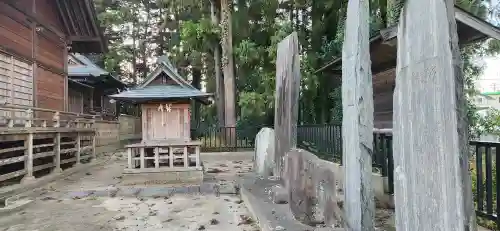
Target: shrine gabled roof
{"points": [[165, 66], [148, 92]]}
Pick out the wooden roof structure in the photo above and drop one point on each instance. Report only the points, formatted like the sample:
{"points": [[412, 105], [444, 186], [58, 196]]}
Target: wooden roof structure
{"points": [[82, 70], [383, 46], [79, 19], [177, 89], [84, 34]]}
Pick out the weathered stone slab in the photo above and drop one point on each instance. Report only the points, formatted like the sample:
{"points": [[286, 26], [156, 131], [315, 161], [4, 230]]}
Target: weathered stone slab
{"points": [[264, 152], [312, 189], [271, 216], [432, 183], [287, 99], [163, 178], [357, 122]]}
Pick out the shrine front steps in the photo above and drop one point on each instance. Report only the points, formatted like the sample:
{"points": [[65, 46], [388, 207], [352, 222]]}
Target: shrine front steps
{"points": [[153, 191]]}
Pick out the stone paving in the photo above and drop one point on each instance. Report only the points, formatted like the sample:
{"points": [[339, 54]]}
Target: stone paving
{"points": [[95, 200]]}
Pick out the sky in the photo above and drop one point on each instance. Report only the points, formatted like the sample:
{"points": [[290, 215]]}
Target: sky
{"points": [[490, 79]]}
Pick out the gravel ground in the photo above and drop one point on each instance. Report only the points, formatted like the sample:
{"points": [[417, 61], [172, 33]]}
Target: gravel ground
{"points": [[53, 210]]}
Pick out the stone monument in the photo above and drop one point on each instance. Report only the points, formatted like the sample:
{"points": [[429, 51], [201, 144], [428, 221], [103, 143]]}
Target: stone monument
{"points": [[357, 123]]}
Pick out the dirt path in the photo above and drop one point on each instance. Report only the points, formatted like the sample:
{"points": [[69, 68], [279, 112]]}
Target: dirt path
{"points": [[56, 208]]}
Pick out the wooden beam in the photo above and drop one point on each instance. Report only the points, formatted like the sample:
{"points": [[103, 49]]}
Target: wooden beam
{"points": [[72, 28], [84, 38], [92, 17], [66, 25], [84, 19], [477, 23]]}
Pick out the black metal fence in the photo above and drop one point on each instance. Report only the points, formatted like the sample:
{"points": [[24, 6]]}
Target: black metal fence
{"points": [[226, 139], [484, 179]]}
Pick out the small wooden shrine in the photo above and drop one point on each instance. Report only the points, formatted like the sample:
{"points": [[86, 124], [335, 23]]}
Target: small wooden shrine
{"points": [[166, 147]]}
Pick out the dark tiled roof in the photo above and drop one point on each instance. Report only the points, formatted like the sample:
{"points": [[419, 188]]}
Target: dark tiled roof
{"points": [[87, 69], [159, 92], [182, 90]]}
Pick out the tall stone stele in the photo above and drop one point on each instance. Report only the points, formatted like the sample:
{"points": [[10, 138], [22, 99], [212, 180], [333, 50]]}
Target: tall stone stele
{"points": [[287, 99], [432, 182], [357, 122]]}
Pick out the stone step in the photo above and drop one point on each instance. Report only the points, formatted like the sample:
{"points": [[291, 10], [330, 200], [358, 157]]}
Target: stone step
{"points": [[163, 191]]}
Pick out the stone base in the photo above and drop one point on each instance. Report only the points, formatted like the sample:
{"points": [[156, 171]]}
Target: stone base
{"points": [[28, 179], [165, 177], [258, 195]]}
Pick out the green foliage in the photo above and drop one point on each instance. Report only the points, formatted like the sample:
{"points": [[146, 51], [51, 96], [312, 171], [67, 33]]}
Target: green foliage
{"points": [[489, 123], [200, 36]]}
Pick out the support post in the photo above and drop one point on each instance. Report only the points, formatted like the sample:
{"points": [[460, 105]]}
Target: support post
{"points": [[129, 153], [430, 143], [171, 156], [157, 157], [57, 153], [357, 122], [143, 161], [78, 149], [28, 161], [186, 157], [197, 156]]}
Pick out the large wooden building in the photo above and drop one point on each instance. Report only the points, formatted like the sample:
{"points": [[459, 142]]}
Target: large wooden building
{"points": [[383, 54], [35, 38]]}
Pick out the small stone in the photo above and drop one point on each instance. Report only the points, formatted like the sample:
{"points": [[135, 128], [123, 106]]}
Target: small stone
{"points": [[214, 221], [170, 202], [152, 213], [48, 199], [245, 220], [214, 170], [169, 220], [201, 227], [223, 165], [238, 201], [119, 217], [76, 198], [88, 173], [215, 213]]}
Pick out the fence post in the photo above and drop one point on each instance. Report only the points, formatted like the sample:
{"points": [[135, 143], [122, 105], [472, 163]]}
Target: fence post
{"points": [[94, 145], [78, 148], [28, 161], [57, 153]]}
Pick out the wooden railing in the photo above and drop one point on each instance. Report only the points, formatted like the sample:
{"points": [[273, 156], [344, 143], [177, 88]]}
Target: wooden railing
{"points": [[36, 140]]}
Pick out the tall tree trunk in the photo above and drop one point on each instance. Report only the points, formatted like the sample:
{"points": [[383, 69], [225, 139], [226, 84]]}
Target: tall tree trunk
{"points": [[144, 40], [219, 80], [197, 84], [228, 63]]}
